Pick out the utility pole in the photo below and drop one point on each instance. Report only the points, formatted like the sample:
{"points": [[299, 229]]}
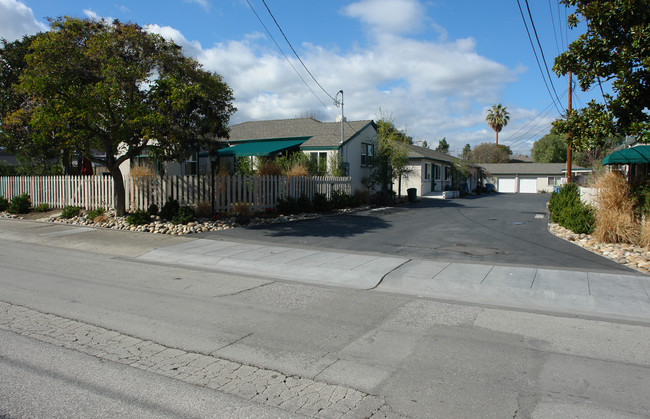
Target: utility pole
{"points": [[568, 153]]}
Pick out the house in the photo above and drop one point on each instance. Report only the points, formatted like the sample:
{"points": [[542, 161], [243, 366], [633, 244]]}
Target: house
{"points": [[355, 145], [431, 171], [633, 161], [530, 177]]}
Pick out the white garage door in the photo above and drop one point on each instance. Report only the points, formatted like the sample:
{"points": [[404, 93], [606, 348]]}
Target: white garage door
{"points": [[506, 185], [527, 185]]}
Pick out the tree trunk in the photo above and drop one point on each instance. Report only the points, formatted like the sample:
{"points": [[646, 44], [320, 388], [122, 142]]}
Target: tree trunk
{"points": [[497, 137], [118, 191]]}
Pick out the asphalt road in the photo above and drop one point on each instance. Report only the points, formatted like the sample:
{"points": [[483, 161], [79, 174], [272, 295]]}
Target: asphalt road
{"points": [[424, 358], [501, 229]]}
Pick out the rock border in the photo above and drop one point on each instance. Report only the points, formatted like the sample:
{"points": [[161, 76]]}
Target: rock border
{"points": [[159, 226], [630, 255]]}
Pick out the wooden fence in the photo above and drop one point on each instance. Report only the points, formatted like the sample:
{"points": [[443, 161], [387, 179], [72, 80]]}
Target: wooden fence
{"points": [[220, 192]]}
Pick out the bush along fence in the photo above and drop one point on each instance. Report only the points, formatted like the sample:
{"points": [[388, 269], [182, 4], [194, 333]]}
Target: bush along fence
{"points": [[221, 192]]}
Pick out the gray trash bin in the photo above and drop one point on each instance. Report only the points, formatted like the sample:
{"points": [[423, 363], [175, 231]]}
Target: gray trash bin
{"points": [[413, 194]]}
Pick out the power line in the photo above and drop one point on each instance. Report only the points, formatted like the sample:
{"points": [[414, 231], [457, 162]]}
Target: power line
{"points": [[285, 56], [541, 50], [537, 58], [296, 54], [557, 44]]}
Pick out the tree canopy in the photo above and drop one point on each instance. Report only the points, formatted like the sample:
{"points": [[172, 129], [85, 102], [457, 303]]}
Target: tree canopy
{"points": [[443, 146], [108, 91], [497, 117], [490, 153], [551, 148], [613, 49], [392, 156]]}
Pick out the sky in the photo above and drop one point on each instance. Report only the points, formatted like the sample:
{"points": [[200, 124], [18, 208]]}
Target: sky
{"points": [[432, 66]]}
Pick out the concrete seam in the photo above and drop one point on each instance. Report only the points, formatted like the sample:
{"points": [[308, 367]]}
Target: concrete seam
{"points": [[390, 272]]}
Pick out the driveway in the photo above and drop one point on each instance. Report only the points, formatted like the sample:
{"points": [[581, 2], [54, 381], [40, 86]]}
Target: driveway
{"points": [[501, 229]]}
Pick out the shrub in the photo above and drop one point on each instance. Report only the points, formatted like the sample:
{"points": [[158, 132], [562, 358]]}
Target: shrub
{"points": [[340, 199], [4, 203], [304, 204], [70, 211], [204, 209], [153, 209], [139, 217], [579, 218], [641, 200], [170, 209], [92, 214], [321, 203], [289, 205], [362, 196], [19, 204], [185, 215], [42, 207]]}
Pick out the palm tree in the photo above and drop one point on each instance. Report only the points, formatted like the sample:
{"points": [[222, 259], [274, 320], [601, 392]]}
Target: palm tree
{"points": [[497, 118]]}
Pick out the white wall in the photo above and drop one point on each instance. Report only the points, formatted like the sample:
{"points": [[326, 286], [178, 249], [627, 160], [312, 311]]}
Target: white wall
{"points": [[351, 153]]}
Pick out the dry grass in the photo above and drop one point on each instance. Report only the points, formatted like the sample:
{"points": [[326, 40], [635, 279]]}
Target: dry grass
{"points": [[241, 208], [298, 170], [142, 170], [267, 167], [614, 218], [644, 235], [203, 209]]}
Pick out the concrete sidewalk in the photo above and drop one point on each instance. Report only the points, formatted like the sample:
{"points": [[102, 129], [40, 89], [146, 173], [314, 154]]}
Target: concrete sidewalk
{"points": [[624, 297]]}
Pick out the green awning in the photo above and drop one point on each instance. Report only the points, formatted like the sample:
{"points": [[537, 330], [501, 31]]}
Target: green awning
{"points": [[260, 148], [637, 154]]}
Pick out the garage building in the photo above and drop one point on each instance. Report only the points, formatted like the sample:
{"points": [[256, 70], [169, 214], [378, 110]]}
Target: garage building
{"points": [[530, 177]]}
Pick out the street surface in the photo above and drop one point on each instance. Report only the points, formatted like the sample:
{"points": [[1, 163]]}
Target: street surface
{"points": [[89, 328], [496, 229]]}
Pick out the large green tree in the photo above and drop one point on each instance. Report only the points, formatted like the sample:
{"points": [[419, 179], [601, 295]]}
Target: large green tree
{"points": [[108, 91], [551, 148], [489, 153], [613, 49], [34, 158], [497, 117]]}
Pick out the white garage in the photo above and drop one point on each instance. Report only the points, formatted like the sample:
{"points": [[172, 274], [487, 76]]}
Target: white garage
{"points": [[506, 185], [529, 177], [527, 185]]}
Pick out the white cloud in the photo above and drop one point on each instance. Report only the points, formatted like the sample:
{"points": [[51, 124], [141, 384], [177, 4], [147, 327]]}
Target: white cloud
{"points": [[17, 20], [433, 89], [396, 16]]}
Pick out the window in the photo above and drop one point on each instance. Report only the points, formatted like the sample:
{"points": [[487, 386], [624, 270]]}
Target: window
{"points": [[427, 171], [447, 173], [367, 154], [554, 180], [191, 165], [319, 162], [436, 171]]}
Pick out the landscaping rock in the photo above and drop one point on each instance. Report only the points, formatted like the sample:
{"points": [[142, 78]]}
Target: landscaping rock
{"points": [[624, 253]]}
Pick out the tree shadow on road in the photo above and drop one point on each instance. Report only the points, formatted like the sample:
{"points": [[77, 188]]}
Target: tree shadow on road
{"points": [[342, 225]]}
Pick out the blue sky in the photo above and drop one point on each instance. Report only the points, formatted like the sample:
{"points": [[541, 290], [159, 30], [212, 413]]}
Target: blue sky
{"points": [[434, 66]]}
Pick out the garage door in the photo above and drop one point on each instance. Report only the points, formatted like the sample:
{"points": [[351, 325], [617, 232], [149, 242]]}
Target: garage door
{"points": [[527, 185], [506, 185]]}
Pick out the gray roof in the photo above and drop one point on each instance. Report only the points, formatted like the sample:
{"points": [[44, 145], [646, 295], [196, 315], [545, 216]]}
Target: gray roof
{"points": [[417, 152], [528, 168], [322, 134]]}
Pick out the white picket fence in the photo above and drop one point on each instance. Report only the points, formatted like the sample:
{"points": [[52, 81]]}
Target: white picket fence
{"points": [[220, 192]]}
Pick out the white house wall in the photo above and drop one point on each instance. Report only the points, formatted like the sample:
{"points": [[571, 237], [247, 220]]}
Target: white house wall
{"points": [[351, 153]]}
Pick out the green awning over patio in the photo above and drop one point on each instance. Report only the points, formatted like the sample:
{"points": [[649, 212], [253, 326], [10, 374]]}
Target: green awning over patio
{"points": [[637, 154], [261, 148]]}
